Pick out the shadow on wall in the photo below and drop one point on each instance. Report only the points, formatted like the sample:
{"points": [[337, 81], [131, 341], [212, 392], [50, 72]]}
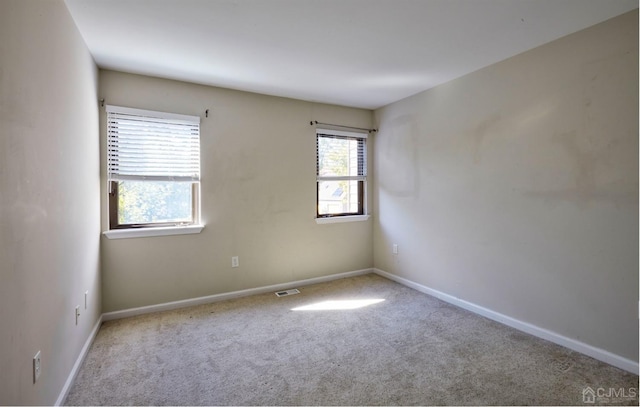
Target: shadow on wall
{"points": [[398, 158]]}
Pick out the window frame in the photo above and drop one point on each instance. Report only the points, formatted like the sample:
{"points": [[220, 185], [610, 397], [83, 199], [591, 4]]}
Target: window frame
{"points": [[362, 179], [118, 230], [113, 211]]}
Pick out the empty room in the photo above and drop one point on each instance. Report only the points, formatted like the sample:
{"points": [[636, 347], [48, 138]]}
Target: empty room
{"points": [[319, 202]]}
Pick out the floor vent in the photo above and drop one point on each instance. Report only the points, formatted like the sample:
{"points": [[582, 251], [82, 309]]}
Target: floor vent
{"points": [[288, 292]]}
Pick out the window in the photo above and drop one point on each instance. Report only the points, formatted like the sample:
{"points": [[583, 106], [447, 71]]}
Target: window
{"points": [[153, 168], [341, 173]]}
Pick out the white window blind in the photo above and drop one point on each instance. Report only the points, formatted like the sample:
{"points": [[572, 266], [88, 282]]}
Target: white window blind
{"points": [[341, 155], [154, 146]]}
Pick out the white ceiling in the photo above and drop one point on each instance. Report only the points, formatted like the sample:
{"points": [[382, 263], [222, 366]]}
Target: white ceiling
{"points": [[361, 53]]}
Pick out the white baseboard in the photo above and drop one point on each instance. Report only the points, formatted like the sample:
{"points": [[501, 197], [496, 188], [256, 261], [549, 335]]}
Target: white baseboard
{"points": [[76, 366], [226, 296], [186, 303], [596, 353]]}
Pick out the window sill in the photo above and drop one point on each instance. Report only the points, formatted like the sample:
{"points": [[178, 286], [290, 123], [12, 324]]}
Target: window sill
{"points": [[149, 232], [342, 219]]}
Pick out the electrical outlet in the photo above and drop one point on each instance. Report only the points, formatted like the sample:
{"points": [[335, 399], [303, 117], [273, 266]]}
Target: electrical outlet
{"points": [[77, 313], [395, 248], [235, 262], [86, 295], [36, 366]]}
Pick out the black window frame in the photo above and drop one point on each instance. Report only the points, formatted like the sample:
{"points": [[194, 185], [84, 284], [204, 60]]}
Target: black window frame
{"points": [[114, 224], [361, 179]]}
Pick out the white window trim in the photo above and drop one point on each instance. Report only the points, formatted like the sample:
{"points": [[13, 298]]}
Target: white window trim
{"points": [[342, 219], [153, 231]]}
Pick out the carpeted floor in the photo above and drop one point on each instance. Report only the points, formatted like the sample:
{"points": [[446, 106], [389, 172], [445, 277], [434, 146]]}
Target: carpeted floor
{"points": [[410, 349]]}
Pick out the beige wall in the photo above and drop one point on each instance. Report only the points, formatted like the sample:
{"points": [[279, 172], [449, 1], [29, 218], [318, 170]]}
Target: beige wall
{"points": [[49, 198], [516, 187], [258, 198]]}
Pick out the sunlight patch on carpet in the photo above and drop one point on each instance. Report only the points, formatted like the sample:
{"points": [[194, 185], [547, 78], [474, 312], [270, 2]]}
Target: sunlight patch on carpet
{"points": [[338, 305]]}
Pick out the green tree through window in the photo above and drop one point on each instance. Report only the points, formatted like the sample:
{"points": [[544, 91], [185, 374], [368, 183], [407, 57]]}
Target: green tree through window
{"points": [[141, 202]]}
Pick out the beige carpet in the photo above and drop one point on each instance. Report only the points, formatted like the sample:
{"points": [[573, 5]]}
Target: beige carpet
{"points": [[410, 349]]}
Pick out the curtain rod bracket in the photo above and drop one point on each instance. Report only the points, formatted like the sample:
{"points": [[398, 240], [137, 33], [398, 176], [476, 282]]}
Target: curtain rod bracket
{"points": [[315, 122]]}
